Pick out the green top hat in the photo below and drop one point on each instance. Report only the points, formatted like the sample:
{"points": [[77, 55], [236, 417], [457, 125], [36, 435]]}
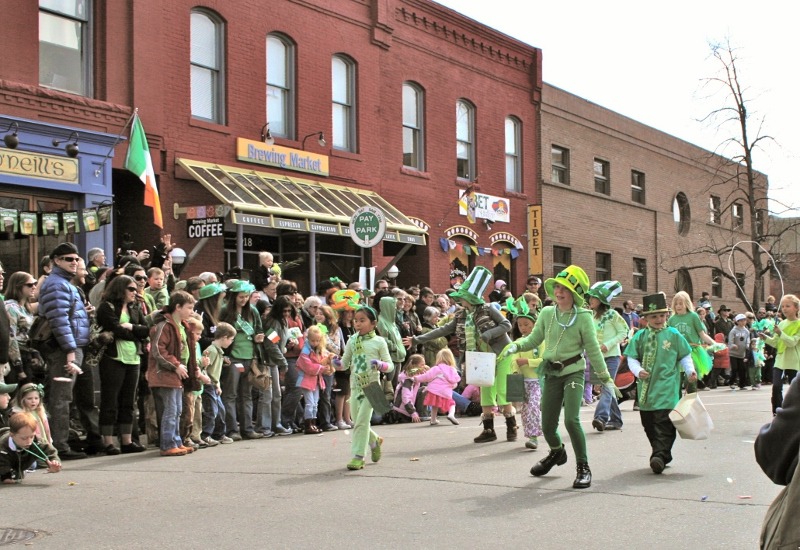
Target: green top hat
{"points": [[573, 278], [472, 289], [211, 289], [605, 291], [654, 303]]}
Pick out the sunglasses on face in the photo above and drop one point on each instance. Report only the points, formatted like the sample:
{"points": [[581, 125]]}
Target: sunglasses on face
{"points": [[70, 259], [132, 289], [30, 285], [140, 277]]}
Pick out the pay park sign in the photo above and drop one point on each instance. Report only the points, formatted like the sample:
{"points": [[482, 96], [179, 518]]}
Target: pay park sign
{"points": [[367, 226]]}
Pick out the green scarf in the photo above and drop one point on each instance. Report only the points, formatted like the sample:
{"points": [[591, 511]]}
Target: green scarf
{"points": [[649, 360], [470, 332], [792, 328]]}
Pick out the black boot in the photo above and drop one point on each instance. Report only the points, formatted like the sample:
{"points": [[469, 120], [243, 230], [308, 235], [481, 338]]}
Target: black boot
{"points": [[511, 428], [584, 478], [555, 457], [488, 431]]}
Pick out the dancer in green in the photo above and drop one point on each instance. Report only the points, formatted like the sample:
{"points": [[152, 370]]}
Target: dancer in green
{"points": [[567, 329]]}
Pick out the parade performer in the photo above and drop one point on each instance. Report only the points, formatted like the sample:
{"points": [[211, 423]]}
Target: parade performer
{"points": [[527, 363], [655, 356], [480, 327], [566, 330], [784, 339], [366, 355], [612, 330], [688, 322]]}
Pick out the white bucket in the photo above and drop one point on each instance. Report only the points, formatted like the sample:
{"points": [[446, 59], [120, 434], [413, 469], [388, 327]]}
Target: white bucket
{"points": [[691, 418], [480, 368]]}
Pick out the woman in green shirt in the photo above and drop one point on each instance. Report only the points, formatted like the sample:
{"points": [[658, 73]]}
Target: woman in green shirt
{"points": [[119, 368], [688, 323]]}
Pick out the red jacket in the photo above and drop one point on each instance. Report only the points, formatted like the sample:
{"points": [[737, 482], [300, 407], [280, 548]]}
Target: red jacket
{"points": [[165, 355], [722, 359]]}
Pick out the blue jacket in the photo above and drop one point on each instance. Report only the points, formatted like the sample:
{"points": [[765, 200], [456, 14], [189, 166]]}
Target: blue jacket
{"points": [[61, 303]]}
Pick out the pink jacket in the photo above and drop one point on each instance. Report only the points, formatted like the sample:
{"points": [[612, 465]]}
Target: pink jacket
{"points": [[442, 380], [405, 395], [309, 363]]}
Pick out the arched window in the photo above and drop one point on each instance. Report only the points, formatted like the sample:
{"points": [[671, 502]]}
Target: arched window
{"points": [[413, 126], [207, 75], [513, 155], [681, 213], [465, 140], [280, 86], [343, 95]]}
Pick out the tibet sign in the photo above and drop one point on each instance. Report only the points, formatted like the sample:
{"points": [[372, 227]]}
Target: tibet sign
{"points": [[367, 226]]}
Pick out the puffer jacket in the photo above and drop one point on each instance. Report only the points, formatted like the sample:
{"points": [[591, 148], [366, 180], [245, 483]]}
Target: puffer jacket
{"points": [[61, 303]]}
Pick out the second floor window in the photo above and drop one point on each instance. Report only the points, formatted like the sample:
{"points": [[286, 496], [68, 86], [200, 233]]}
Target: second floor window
{"points": [[343, 95], [640, 274], [602, 182], [737, 216], [65, 55], [280, 86], [637, 186], [559, 164], [562, 257], [513, 160], [465, 140], [602, 266], [716, 283], [207, 76], [715, 209], [413, 126]]}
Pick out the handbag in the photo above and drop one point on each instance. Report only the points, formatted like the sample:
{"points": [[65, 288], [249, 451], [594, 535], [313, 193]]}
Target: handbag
{"points": [[691, 418], [781, 529], [99, 340], [480, 368], [258, 375], [515, 388]]}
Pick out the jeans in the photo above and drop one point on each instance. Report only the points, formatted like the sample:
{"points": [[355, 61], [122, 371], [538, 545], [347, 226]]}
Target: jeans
{"points": [[461, 402], [607, 408], [59, 397], [213, 413], [245, 399], [291, 399], [777, 386], [324, 406], [269, 404], [169, 405], [118, 383], [312, 400], [229, 382]]}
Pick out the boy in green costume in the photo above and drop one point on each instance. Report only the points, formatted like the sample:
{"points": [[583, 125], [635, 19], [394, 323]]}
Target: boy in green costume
{"points": [[655, 357]]}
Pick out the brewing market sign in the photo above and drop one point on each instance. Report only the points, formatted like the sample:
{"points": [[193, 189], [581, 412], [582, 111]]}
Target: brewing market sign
{"points": [[367, 226]]}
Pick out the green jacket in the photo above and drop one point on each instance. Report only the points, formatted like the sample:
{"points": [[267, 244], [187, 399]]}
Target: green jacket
{"points": [[562, 343]]}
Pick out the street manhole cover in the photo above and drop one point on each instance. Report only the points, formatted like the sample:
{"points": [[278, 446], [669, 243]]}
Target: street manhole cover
{"points": [[10, 536]]}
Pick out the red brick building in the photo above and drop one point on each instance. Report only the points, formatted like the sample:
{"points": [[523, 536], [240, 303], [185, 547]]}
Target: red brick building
{"points": [[630, 203], [415, 102]]}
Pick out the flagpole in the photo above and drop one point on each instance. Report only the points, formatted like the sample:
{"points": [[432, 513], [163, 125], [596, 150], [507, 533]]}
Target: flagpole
{"points": [[470, 187], [99, 169]]}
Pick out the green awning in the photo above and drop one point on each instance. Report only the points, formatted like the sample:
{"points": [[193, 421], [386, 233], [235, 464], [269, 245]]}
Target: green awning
{"points": [[273, 200]]}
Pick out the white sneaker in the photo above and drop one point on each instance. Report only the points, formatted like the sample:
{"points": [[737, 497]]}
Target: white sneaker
{"points": [[342, 425], [434, 422], [734, 388], [211, 442], [453, 419], [225, 440]]}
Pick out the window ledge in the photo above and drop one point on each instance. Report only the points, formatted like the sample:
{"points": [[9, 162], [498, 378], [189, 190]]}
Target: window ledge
{"points": [[207, 125], [408, 171], [339, 153], [516, 195], [465, 184]]}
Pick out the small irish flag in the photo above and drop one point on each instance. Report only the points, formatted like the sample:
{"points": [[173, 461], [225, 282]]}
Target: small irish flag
{"points": [[273, 336], [140, 163]]}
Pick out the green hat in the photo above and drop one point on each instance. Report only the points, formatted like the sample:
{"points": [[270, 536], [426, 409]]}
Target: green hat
{"points": [[573, 278], [654, 303], [211, 289], [605, 291], [520, 308], [7, 388], [242, 286], [472, 289]]}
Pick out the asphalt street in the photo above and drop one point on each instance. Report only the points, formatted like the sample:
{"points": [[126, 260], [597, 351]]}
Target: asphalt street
{"points": [[433, 488]]}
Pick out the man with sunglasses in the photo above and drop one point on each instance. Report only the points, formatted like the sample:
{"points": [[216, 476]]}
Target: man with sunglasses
{"points": [[61, 303]]}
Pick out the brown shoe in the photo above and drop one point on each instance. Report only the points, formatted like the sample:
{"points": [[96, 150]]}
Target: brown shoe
{"points": [[176, 451], [189, 450]]}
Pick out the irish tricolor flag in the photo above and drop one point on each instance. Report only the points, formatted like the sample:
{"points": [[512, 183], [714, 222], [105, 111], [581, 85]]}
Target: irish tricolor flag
{"points": [[140, 163]]}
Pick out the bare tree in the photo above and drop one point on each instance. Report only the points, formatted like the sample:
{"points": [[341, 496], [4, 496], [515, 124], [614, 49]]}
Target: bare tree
{"points": [[735, 186]]}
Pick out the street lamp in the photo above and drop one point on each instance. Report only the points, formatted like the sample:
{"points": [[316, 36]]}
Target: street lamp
{"points": [[392, 273], [178, 256]]}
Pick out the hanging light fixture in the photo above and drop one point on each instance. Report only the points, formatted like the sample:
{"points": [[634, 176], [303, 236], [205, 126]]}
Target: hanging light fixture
{"points": [[266, 135], [12, 140], [321, 140], [71, 148]]}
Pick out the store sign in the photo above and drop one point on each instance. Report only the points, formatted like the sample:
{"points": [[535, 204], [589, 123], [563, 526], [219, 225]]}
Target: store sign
{"points": [[44, 167], [298, 224], [489, 207], [200, 228], [535, 264], [367, 226], [258, 152]]}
